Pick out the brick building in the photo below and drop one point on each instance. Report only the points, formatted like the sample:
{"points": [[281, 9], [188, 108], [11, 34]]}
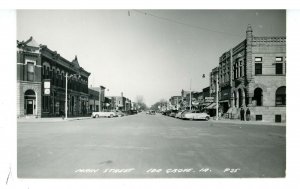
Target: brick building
{"points": [[93, 100], [41, 82], [254, 74], [120, 103], [175, 101]]}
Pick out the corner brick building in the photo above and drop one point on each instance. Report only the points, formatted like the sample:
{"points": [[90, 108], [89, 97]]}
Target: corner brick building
{"points": [[41, 82], [254, 74]]}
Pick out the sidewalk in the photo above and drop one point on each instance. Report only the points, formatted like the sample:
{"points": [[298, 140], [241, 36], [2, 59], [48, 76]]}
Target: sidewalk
{"points": [[239, 122], [50, 119]]}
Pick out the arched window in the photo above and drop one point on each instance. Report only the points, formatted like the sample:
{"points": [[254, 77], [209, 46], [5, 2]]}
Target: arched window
{"points": [[280, 96], [258, 96]]}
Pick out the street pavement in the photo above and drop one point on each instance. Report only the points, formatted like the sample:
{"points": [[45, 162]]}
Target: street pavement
{"points": [[149, 146]]}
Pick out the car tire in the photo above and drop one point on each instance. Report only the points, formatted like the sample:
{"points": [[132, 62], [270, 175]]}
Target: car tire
{"points": [[206, 118], [111, 116], [97, 116]]}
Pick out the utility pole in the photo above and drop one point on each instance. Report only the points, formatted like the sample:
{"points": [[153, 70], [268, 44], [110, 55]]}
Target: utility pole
{"points": [[190, 94], [217, 97], [66, 100], [99, 99]]}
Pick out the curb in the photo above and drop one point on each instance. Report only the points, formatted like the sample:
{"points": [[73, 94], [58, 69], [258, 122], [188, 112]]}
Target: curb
{"points": [[51, 119], [249, 123]]}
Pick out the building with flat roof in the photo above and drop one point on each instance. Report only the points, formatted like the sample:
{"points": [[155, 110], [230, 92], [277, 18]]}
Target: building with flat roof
{"points": [[254, 74]]}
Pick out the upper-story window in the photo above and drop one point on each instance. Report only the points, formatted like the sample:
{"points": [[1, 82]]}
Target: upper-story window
{"points": [[30, 71], [279, 65], [258, 68], [44, 70]]}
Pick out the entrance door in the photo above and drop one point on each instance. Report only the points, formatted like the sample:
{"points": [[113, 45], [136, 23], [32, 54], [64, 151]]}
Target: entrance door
{"points": [[29, 106]]}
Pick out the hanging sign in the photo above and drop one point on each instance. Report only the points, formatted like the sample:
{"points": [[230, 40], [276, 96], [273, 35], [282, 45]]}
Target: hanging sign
{"points": [[47, 86]]}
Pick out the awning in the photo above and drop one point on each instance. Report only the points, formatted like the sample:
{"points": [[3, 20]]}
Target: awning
{"points": [[220, 101], [211, 106]]}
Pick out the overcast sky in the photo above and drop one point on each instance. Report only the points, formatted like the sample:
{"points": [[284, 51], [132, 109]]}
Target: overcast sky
{"points": [[155, 54]]}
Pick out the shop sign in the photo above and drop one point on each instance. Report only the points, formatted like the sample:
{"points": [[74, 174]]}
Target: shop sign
{"points": [[209, 99], [47, 85]]}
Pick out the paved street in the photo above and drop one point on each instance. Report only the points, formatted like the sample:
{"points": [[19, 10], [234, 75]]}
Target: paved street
{"points": [[149, 146]]}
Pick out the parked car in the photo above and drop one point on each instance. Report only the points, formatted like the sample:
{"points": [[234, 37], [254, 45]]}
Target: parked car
{"points": [[178, 115], [173, 113], [152, 112], [120, 113], [131, 112], [104, 114], [183, 113], [167, 112], [195, 114]]}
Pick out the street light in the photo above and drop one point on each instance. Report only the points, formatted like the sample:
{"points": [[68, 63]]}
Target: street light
{"points": [[203, 76], [66, 101]]}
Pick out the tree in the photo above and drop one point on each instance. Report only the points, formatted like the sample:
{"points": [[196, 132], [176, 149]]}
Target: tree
{"points": [[158, 105], [140, 103]]}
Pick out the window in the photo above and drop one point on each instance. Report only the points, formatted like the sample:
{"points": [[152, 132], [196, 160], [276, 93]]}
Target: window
{"points": [[280, 96], [278, 118], [44, 70], [30, 71], [47, 73], [241, 71], [258, 68], [258, 96], [258, 59], [279, 59], [258, 117], [279, 68]]}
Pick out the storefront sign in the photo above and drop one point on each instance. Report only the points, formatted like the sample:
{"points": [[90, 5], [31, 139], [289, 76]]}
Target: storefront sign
{"points": [[209, 99], [47, 86]]}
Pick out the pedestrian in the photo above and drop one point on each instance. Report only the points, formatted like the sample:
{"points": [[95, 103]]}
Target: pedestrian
{"points": [[62, 115], [248, 114], [242, 114]]}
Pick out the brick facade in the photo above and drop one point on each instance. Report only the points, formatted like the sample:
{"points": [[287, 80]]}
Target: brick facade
{"points": [[258, 72], [37, 64]]}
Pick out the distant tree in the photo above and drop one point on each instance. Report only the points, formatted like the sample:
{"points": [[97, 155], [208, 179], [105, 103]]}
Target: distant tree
{"points": [[158, 105], [140, 103]]}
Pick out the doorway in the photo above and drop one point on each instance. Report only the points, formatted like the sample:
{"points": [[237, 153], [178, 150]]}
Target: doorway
{"points": [[30, 107], [29, 102]]}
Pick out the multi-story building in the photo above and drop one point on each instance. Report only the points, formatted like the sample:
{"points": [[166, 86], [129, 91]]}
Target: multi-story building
{"points": [[190, 99], [41, 82], [174, 101], [120, 103], [254, 74], [93, 100], [212, 82], [101, 95]]}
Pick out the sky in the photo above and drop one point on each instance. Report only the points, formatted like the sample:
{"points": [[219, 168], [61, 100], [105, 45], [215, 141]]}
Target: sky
{"points": [[149, 53]]}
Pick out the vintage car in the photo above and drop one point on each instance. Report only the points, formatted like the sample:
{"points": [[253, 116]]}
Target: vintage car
{"points": [[104, 114], [179, 114], [195, 114], [173, 113]]}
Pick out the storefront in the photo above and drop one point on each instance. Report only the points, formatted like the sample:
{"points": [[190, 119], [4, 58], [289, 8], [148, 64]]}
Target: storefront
{"points": [[225, 99]]}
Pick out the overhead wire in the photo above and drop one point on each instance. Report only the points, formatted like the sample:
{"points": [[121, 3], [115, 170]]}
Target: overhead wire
{"points": [[182, 23]]}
